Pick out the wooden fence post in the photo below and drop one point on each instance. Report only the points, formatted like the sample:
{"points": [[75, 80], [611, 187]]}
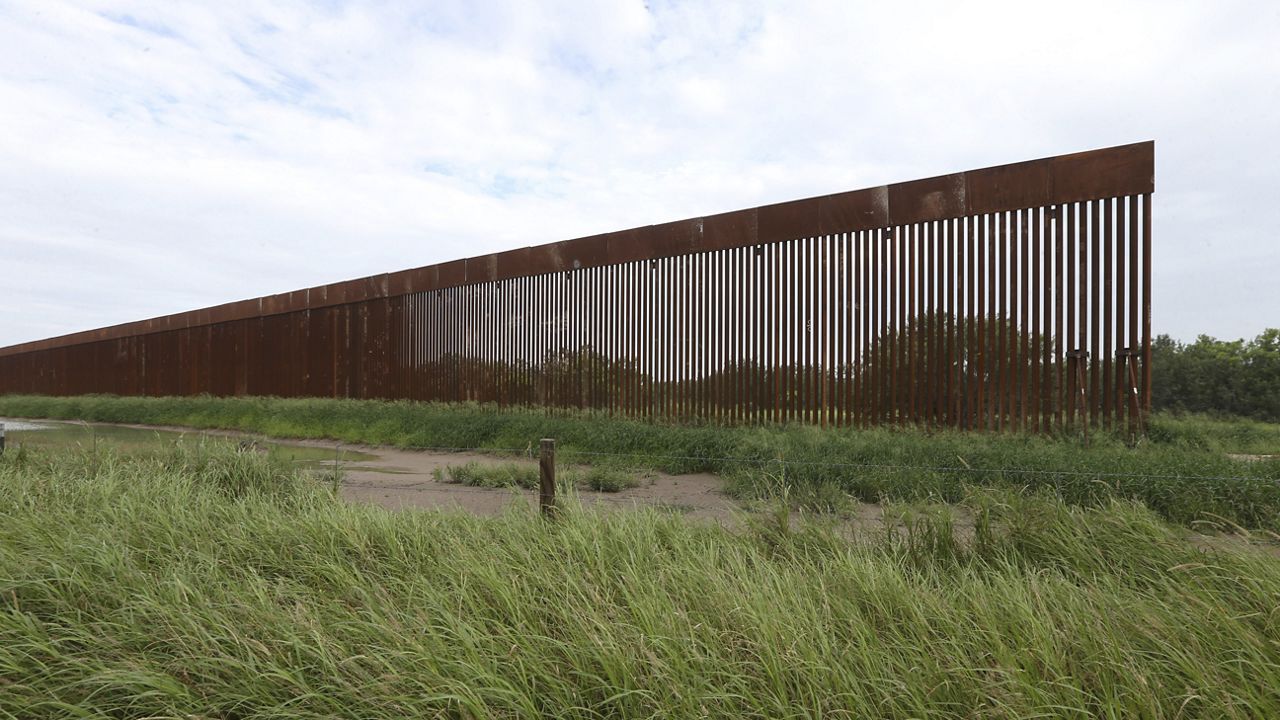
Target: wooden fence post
{"points": [[1, 438], [547, 468]]}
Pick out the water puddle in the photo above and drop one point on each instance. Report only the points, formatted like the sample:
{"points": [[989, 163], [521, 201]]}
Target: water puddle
{"points": [[21, 425]]}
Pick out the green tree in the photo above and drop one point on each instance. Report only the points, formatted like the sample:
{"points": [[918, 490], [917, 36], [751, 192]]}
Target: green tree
{"points": [[1228, 377]]}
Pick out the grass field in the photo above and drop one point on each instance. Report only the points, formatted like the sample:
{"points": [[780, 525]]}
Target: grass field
{"points": [[200, 581], [1178, 471]]}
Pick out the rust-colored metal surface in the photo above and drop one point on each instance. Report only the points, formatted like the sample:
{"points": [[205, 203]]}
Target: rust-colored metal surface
{"points": [[1010, 298]]}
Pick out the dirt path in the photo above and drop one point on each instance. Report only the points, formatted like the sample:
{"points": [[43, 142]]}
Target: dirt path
{"points": [[396, 478], [406, 478]]}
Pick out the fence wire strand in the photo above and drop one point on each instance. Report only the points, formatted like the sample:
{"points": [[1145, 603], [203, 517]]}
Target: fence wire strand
{"points": [[766, 462]]}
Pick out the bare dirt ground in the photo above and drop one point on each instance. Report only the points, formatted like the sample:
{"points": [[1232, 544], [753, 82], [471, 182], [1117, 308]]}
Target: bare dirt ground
{"points": [[406, 478]]}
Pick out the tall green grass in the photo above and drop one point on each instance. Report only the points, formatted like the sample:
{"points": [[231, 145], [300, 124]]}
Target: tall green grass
{"points": [[1177, 471], [203, 582]]}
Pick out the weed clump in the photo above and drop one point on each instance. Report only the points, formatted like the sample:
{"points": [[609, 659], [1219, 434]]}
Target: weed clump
{"points": [[504, 475], [526, 477]]}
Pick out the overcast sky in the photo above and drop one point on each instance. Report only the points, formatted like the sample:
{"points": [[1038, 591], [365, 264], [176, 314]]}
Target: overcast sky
{"points": [[163, 156]]}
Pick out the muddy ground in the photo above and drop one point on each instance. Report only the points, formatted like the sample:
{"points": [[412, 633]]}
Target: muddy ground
{"points": [[404, 478]]}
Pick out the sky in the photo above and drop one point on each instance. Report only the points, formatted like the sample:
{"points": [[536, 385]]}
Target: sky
{"points": [[157, 157]]}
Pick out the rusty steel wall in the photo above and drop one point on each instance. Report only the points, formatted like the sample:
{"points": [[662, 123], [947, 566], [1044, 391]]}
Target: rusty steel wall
{"points": [[1011, 298]]}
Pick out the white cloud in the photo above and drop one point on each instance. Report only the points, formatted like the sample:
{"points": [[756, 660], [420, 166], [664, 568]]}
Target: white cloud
{"points": [[159, 157]]}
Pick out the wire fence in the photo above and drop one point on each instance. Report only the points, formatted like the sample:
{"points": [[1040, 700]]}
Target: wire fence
{"points": [[571, 454]]}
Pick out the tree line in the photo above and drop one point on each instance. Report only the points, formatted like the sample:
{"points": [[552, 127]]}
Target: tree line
{"points": [[1227, 377]]}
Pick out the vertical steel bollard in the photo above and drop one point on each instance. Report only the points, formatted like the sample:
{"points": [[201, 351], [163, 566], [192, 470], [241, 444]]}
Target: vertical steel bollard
{"points": [[547, 468]]}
